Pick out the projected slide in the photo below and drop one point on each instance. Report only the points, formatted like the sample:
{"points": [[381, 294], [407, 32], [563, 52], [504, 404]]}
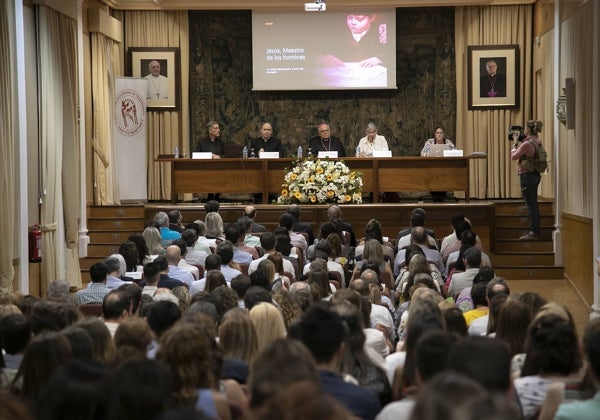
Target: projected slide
{"points": [[324, 50]]}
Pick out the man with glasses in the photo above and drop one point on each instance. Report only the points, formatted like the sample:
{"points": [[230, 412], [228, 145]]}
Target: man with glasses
{"points": [[326, 142]]}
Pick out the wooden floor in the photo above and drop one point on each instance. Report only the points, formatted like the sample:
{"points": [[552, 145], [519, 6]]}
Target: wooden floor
{"points": [[560, 291]]}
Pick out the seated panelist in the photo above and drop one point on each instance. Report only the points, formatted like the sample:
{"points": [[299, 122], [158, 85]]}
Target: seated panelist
{"points": [[326, 142], [266, 142], [439, 137], [212, 142], [372, 142]]}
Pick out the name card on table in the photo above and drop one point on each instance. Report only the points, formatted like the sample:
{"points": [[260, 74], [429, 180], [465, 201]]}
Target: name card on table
{"points": [[268, 155], [201, 155], [453, 153], [331, 154], [382, 153]]}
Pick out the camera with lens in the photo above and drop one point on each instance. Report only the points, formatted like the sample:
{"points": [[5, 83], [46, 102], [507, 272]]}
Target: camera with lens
{"points": [[515, 133]]}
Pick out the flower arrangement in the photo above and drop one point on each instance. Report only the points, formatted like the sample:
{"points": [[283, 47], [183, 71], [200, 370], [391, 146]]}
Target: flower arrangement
{"points": [[319, 182]]}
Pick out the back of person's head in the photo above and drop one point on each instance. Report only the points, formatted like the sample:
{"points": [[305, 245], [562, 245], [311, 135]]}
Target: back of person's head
{"points": [[174, 216], [15, 333], [417, 217], [473, 257], [319, 278], [189, 236], [113, 264], [511, 323], [245, 222], [204, 307], [431, 352], [373, 230], [534, 302], [496, 287], [98, 272], [267, 241], [161, 219], [58, 288], [460, 227], [259, 278], [255, 295], [334, 212], [250, 212], [174, 254], [418, 235], [283, 244], [116, 303], [151, 273], [478, 295], [551, 347], [78, 389], [495, 305], [232, 233], [468, 237], [162, 316], [486, 360], [82, 346], [287, 221], [360, 286], [212, 206], [322, 250], [199, 226], [327, 229], [52, 315], [457, 218], [141, 389], [240, 285], [322, 332], [455, 321], [212, 262], [135, 295], [294, 210], [279, 365], [591, 346], [485, 275]]}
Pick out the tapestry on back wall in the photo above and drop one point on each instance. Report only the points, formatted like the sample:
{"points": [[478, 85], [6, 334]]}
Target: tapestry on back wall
{"points": [[221, 87]]}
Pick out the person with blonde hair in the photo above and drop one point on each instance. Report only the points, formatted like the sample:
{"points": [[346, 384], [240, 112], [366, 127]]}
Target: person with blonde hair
{"points": [[237, 336], [268, 322], [153, 241], [214, 228]]}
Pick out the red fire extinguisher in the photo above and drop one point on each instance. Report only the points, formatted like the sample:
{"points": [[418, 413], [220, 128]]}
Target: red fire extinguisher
{"points": [[35, 244]]}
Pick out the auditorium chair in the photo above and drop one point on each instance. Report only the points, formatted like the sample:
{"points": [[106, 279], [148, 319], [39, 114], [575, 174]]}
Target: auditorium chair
{"points": [[91, 309]]}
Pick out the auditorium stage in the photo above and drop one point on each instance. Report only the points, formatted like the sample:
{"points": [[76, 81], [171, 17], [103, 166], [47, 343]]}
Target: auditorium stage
{"points": [[393, 216]]}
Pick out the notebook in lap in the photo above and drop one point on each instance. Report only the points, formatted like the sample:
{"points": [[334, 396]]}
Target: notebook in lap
{"points": [[437, 150]]}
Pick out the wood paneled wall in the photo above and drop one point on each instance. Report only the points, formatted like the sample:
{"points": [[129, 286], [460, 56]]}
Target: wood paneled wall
{"points": [[577, 234]]}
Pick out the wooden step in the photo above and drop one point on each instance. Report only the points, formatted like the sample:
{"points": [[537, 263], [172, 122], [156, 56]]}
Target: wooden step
{"points": [[135, 225], [531, 273], [522, 259], [110, 237], [102, 250], [516, 246], [515, 232], [116, 212], [522, 220], [86, 263], [510, 207]]}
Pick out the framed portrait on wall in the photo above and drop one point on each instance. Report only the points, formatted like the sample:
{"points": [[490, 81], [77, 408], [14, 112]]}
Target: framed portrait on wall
{"points": [[160, 66], [493, 76]]}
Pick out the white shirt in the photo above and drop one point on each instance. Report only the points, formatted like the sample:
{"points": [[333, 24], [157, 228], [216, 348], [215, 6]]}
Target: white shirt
{"points": [[367, 148], [287, 266], [158, 87]]}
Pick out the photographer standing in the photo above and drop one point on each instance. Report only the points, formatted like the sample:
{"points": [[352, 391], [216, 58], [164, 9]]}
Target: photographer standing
{"points": [[525, 151]]}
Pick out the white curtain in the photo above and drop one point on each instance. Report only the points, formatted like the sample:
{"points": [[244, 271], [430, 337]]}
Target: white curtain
{"points": [[105, 67], [8, 134], [486, 130], [59, 146]]}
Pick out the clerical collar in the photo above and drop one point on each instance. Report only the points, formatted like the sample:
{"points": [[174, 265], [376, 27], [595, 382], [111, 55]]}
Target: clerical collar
{"points": [[358, 37]]}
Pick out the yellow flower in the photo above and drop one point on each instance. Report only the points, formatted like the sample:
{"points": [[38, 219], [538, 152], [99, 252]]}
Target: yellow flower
{"points": [[311, 179], [347, 197], [319, 170], [294, 177], [330, 193], [352, 174], [313, 198], [329, 177], [284, 192], [297, 194]]}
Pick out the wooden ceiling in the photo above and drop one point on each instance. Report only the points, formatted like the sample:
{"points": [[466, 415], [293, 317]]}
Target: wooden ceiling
{"points": [[292, 5]]}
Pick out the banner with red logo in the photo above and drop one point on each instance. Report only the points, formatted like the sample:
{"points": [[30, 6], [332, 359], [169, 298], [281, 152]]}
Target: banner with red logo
{"points": [[130, 138]]}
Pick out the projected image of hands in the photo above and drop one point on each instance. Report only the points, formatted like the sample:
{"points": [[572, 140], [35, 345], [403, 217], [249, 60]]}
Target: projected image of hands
{"points": [[332, 50], [359, 54]]}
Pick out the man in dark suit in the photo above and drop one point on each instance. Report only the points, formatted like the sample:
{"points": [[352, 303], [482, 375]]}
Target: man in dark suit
{"points": [[493, 83], [325, 142], [266, 142], [211, 143]]}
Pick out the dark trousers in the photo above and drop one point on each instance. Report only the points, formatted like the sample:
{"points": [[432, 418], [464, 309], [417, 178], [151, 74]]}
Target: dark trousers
{"points": [[529, 186]]}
